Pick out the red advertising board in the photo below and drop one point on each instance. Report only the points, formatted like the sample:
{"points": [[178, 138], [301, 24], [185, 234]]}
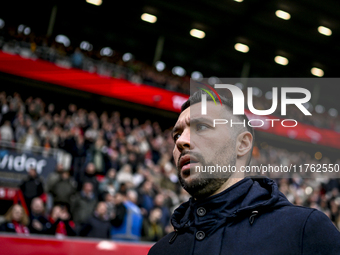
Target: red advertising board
{"points": [[13, 244]]}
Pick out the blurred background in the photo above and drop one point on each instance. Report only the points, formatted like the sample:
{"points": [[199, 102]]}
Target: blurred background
{"points": [[89, 93]]}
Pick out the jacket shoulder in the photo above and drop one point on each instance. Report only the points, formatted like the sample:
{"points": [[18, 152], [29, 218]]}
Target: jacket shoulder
{"points": [[320, 236]]}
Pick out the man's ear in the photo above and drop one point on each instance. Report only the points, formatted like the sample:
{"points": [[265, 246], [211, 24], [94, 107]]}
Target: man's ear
{"points": [[244, 143]]}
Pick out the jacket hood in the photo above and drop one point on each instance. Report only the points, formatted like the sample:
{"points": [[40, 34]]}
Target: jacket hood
{"points": [[246, 198]]}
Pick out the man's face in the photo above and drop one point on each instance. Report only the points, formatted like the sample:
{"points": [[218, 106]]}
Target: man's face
{"points": [[199, 143]]}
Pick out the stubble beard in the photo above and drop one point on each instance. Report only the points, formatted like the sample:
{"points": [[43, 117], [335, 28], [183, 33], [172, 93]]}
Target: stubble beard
{"points": [[202, 184]]}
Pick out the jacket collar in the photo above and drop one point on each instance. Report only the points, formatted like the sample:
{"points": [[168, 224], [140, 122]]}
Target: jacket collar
{"points": [[241, 199]]}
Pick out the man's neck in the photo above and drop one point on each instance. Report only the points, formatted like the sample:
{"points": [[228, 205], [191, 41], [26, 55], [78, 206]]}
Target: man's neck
{"points": [[230, 182]]}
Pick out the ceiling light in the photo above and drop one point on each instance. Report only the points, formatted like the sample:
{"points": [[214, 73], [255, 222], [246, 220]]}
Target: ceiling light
{"points": [[21, 28], [269, 95], [149, 18], [63, 39], [324, 30], [197, 33], [84, 45], [333, 112], [257, 92], [239, 1], [241, 47], [106, 51], [27, 31], [320, 109], [95, 2], [197, 76], [281, 60], [2, 23], [127, 57], [160, 66], [282, 14], [317, 71], [213, 80], [177, 70]]}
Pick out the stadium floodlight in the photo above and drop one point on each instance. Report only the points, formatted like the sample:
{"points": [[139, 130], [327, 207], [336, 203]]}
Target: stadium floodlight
{"points": [[241, 47], [197, 33], [2, 23], [149, 17], [63, 39], [281, 60], [178, 70], [282, 14], [95, 2], [257, 92], [324, 31], [160, 66], [27, 30], [320, 109], [197, 76], [333, 112], [84, 45], [21, 28], [106, 51], [127, 57], [317, 72]]}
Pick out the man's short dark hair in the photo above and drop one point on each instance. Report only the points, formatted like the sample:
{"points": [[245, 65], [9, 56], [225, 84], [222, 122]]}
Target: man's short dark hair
{"points": [[197, 98]]}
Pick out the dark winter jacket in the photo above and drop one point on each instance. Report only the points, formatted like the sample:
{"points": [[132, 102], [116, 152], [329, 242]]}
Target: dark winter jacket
{"points": [[250, 217], [97, 227], [46, 225], [63, 190], [82, 207]]}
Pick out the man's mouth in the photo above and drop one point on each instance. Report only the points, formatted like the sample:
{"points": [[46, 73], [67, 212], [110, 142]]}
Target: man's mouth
{"points": [[186, 162]]}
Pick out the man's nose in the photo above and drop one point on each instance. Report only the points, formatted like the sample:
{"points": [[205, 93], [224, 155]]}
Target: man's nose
{"points": [[183, 142]]}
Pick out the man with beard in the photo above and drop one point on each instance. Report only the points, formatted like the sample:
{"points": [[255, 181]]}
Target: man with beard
{"points": [[228, 213]]}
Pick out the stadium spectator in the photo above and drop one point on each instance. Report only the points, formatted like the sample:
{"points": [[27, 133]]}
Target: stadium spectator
{"points": [[39, 224], [98, 226], [152, 227], [64, 189], [127, 225], [53, 177], [96, 155], [124, 175], [109, 183], [6, 132], [77, 58], [61, 224], [89, 176], [16, 221], [83, 204], [30, 140], [32, 187], [165, 212], [146, 196], [119, 210]]}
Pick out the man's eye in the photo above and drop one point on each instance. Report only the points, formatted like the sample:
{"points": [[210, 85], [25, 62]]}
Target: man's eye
{"points": [[176, 136], [201, 127]]}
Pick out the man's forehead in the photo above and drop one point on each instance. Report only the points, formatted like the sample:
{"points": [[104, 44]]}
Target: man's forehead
{"points": [[213, 110], [194, 111]]}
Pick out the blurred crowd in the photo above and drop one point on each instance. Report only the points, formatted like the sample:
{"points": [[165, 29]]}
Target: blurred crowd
{"points": [[122, 183], [111, 63]]}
